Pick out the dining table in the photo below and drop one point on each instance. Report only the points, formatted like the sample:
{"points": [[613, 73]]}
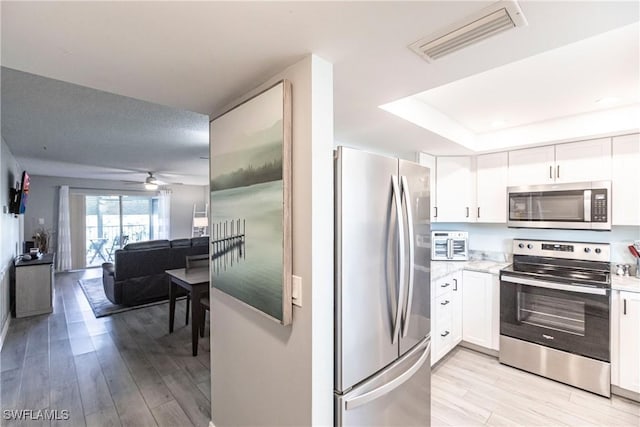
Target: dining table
{"points": [[196, 282]]}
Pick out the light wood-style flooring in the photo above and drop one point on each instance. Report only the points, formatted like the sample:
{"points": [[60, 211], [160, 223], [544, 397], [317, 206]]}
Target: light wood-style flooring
{"points": [[469, 388], [127, 370], [124, 369]]}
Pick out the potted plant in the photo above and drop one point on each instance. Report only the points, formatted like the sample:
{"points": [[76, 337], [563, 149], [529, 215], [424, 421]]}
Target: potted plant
{"points": [[42, 238]]}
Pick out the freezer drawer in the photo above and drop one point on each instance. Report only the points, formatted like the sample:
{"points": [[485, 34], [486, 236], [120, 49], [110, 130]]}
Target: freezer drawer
{"points": [[399, 395]]}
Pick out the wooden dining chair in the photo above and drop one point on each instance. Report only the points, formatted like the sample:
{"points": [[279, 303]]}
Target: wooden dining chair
{"points": [[204, 301], [194, 261]]}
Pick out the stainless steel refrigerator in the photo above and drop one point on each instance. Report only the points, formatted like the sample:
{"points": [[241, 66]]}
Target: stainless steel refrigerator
{"points": [[382, 286]]}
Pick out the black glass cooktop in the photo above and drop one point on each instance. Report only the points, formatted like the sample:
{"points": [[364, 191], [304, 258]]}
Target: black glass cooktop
{"points": [[585, 272]]}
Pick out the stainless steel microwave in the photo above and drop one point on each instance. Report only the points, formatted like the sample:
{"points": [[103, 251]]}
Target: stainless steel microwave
{"points": [[578, 206]]}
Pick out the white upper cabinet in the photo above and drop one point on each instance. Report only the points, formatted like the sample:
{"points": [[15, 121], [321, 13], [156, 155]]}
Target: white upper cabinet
{"points": [[572, 162], [583, 161], [454, 189], [491, 187], [624, 176], [532, 166], [430, 162]]}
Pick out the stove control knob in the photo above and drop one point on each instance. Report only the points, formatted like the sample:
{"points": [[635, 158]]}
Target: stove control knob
{"points": [[587, 250], [521, 245], [529, 246], [598, 250]]}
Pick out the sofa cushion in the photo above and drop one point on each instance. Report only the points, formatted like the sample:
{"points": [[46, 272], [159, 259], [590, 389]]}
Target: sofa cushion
{"points": [[181, 243], [150, 244], [200, 241], [138, 263]]}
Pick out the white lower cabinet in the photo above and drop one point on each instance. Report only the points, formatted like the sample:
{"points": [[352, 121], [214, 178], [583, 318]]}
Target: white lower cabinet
{"points": [[480, 307], [625, 340], [446, 315]]}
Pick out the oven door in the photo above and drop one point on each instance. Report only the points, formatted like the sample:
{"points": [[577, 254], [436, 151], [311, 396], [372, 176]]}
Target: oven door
{"points": [[566, 317]]}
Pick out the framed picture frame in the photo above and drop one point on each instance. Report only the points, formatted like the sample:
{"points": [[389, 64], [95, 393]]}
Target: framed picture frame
{"points": [[250, 202]]}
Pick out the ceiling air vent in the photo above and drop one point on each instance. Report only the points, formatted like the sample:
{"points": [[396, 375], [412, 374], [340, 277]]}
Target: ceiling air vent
{"points": [[496, 18]]}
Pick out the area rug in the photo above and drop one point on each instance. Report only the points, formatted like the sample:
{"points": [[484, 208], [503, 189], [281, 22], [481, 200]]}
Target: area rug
{"points": [[99, 302]]}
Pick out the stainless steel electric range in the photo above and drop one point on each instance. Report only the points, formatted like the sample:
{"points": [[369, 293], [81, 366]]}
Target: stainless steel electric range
{"points": [[554, 312]]}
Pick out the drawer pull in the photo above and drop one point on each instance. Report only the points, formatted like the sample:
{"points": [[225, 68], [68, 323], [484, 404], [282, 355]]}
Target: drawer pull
{"points": [[445, 302], [445, 334], [445, 285]]}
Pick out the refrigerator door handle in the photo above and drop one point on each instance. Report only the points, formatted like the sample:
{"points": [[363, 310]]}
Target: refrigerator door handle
{"points": [[398, 200], [391, 385], [406, 195]]}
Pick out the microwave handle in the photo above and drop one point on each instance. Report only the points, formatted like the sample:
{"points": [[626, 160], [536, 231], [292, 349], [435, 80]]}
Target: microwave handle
{"points": [[587, 205]]}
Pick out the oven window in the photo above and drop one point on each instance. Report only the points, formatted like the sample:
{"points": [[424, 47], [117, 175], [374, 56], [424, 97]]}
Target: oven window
{"points": [[559, 314]]}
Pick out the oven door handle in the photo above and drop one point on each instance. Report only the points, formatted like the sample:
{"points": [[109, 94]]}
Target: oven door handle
{"points": [[554, 285]]}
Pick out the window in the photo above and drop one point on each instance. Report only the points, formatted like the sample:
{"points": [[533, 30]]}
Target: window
{"points": [[113, 221]]}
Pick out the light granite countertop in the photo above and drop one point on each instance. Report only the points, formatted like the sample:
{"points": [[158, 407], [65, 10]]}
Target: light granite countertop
{"points": [[625, 283], [440, 269]]}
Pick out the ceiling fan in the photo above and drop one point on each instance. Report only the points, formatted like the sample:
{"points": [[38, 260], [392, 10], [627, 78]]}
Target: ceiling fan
{"points": [[151, 182]]}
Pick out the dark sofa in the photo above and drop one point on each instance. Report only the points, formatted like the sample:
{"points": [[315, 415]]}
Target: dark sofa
{"points": [[137, 275]]}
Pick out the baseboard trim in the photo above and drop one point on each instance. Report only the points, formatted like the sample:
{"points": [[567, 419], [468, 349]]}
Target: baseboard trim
{"points": [[5, 329], [479, 348], [625, 393]]}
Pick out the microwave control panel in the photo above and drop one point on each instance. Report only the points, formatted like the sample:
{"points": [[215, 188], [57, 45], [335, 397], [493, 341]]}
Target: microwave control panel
{"points": [[599, 205]]}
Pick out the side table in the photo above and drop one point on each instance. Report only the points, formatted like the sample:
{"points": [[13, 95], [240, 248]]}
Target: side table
{"points": [[34, 286]]}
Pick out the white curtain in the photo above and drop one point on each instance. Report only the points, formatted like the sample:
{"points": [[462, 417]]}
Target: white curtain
{"points": [[164, 214], [63, 252]]}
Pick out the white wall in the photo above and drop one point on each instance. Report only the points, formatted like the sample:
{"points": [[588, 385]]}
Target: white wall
{"points": [[264, 374], [43, 202], [10, 227], [498, 237]]}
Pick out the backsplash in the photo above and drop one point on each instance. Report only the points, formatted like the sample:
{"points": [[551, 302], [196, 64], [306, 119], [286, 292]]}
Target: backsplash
{"points": [[496, 238]]}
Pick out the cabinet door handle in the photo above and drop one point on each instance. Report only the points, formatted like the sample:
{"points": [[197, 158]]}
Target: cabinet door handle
{"points": [[550, 172], [467, 211], [435, 215], [445, 302], [624, 303], [445, 334], [445, 285], [478, 211], [558, 172], [455, 284]]}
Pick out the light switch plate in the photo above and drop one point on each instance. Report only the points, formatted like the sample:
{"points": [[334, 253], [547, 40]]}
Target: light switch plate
{"points": [[296, 290]]}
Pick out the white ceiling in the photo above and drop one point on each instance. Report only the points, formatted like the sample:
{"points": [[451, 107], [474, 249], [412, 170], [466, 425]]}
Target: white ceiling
{"points": [[61, 129], [562, 82], [199, 56]]}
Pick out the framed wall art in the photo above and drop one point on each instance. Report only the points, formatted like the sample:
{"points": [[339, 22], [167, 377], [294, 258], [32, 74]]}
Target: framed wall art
{"points": [[250, 190]]}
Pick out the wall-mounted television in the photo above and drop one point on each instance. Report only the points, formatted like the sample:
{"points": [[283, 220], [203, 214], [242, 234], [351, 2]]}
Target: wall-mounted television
{"points": [[20, 195]]}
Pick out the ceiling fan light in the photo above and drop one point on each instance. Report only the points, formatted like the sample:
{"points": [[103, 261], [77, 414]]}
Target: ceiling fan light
{"points": [[150, 186]]}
